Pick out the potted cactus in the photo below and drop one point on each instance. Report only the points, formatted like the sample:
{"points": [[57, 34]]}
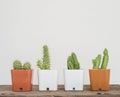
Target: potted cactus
{"points": [[100, 75], [73, 76], [47, 77], [21, 76]]}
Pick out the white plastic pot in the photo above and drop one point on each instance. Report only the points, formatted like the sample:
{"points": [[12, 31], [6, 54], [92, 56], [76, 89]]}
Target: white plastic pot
{"points": [[73, 79], [47, 80]]}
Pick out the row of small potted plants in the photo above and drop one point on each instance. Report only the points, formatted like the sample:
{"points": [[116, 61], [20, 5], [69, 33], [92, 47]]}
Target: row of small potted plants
{"points": [[73, 76]]}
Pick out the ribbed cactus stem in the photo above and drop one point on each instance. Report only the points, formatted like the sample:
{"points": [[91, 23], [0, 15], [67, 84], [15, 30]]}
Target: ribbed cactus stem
{"points": [[70, 66], [26, 66], [96, 62], [46, 59], [76, 63], [105, 59], [45, 62], [17, 65], [69, 63], [72, 62], [40, 64]]}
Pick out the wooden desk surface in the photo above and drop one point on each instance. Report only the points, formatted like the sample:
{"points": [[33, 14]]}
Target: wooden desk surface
{"points": [[5, 91]]}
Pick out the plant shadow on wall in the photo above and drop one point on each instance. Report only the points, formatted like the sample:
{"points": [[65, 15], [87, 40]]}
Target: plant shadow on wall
{"points": [[100, 75], [21, 76], [47, 78], [73, 77]]}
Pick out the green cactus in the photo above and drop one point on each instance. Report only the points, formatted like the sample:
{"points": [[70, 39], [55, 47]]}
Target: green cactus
{"points": [[17, 65], [76, 63], [45, 63], [26, 66], [97, 61], [40, 64], [72, 62], [105, 59], [46, 59]]}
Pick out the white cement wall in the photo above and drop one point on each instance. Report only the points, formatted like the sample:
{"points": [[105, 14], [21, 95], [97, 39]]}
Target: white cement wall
{"points": [[85, 27]]}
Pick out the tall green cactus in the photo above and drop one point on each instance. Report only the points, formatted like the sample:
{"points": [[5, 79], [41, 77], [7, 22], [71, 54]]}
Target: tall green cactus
{"points": [[72, 62], [76, 63], [26, 66], [46, 58], [45, 63], [105, 59], [97, 61], [17, 65]]}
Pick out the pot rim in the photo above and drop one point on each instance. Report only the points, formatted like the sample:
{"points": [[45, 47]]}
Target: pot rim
{"points": [[99, 69]]}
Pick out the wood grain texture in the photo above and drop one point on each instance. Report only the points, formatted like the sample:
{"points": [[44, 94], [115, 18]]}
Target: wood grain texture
{"points": [[5, 91]]}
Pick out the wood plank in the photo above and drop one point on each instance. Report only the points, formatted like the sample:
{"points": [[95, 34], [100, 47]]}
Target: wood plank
{"points": [[5, 91]]}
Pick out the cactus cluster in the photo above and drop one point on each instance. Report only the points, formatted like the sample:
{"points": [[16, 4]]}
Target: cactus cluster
{"points": [[45, 62], [72, 62], [97, 61], [17, 65]]}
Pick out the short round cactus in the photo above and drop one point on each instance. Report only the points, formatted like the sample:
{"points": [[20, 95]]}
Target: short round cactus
{"points": [[26, 66], [17, 65]]}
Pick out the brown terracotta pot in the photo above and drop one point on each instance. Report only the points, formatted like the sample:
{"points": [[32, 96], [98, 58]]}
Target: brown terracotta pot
{"points": [[99, 79], [21, 80]]}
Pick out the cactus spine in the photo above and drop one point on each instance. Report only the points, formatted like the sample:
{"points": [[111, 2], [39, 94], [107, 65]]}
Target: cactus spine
{"points": [[72, 62], [45, 63], [105, 59], [97, 61], [26, 66]]}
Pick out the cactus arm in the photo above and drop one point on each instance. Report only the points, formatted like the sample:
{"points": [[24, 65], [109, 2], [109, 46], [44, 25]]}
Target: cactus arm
{"points": [[105, 59], [69, 59], [78, 66], [96, 62], [105, 62], [76, 63], [72, 61], [40, 64], [70, 65]]}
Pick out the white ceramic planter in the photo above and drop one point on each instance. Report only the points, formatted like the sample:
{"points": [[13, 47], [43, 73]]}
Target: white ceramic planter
{"points": [[73, 79], [47, 80]]}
